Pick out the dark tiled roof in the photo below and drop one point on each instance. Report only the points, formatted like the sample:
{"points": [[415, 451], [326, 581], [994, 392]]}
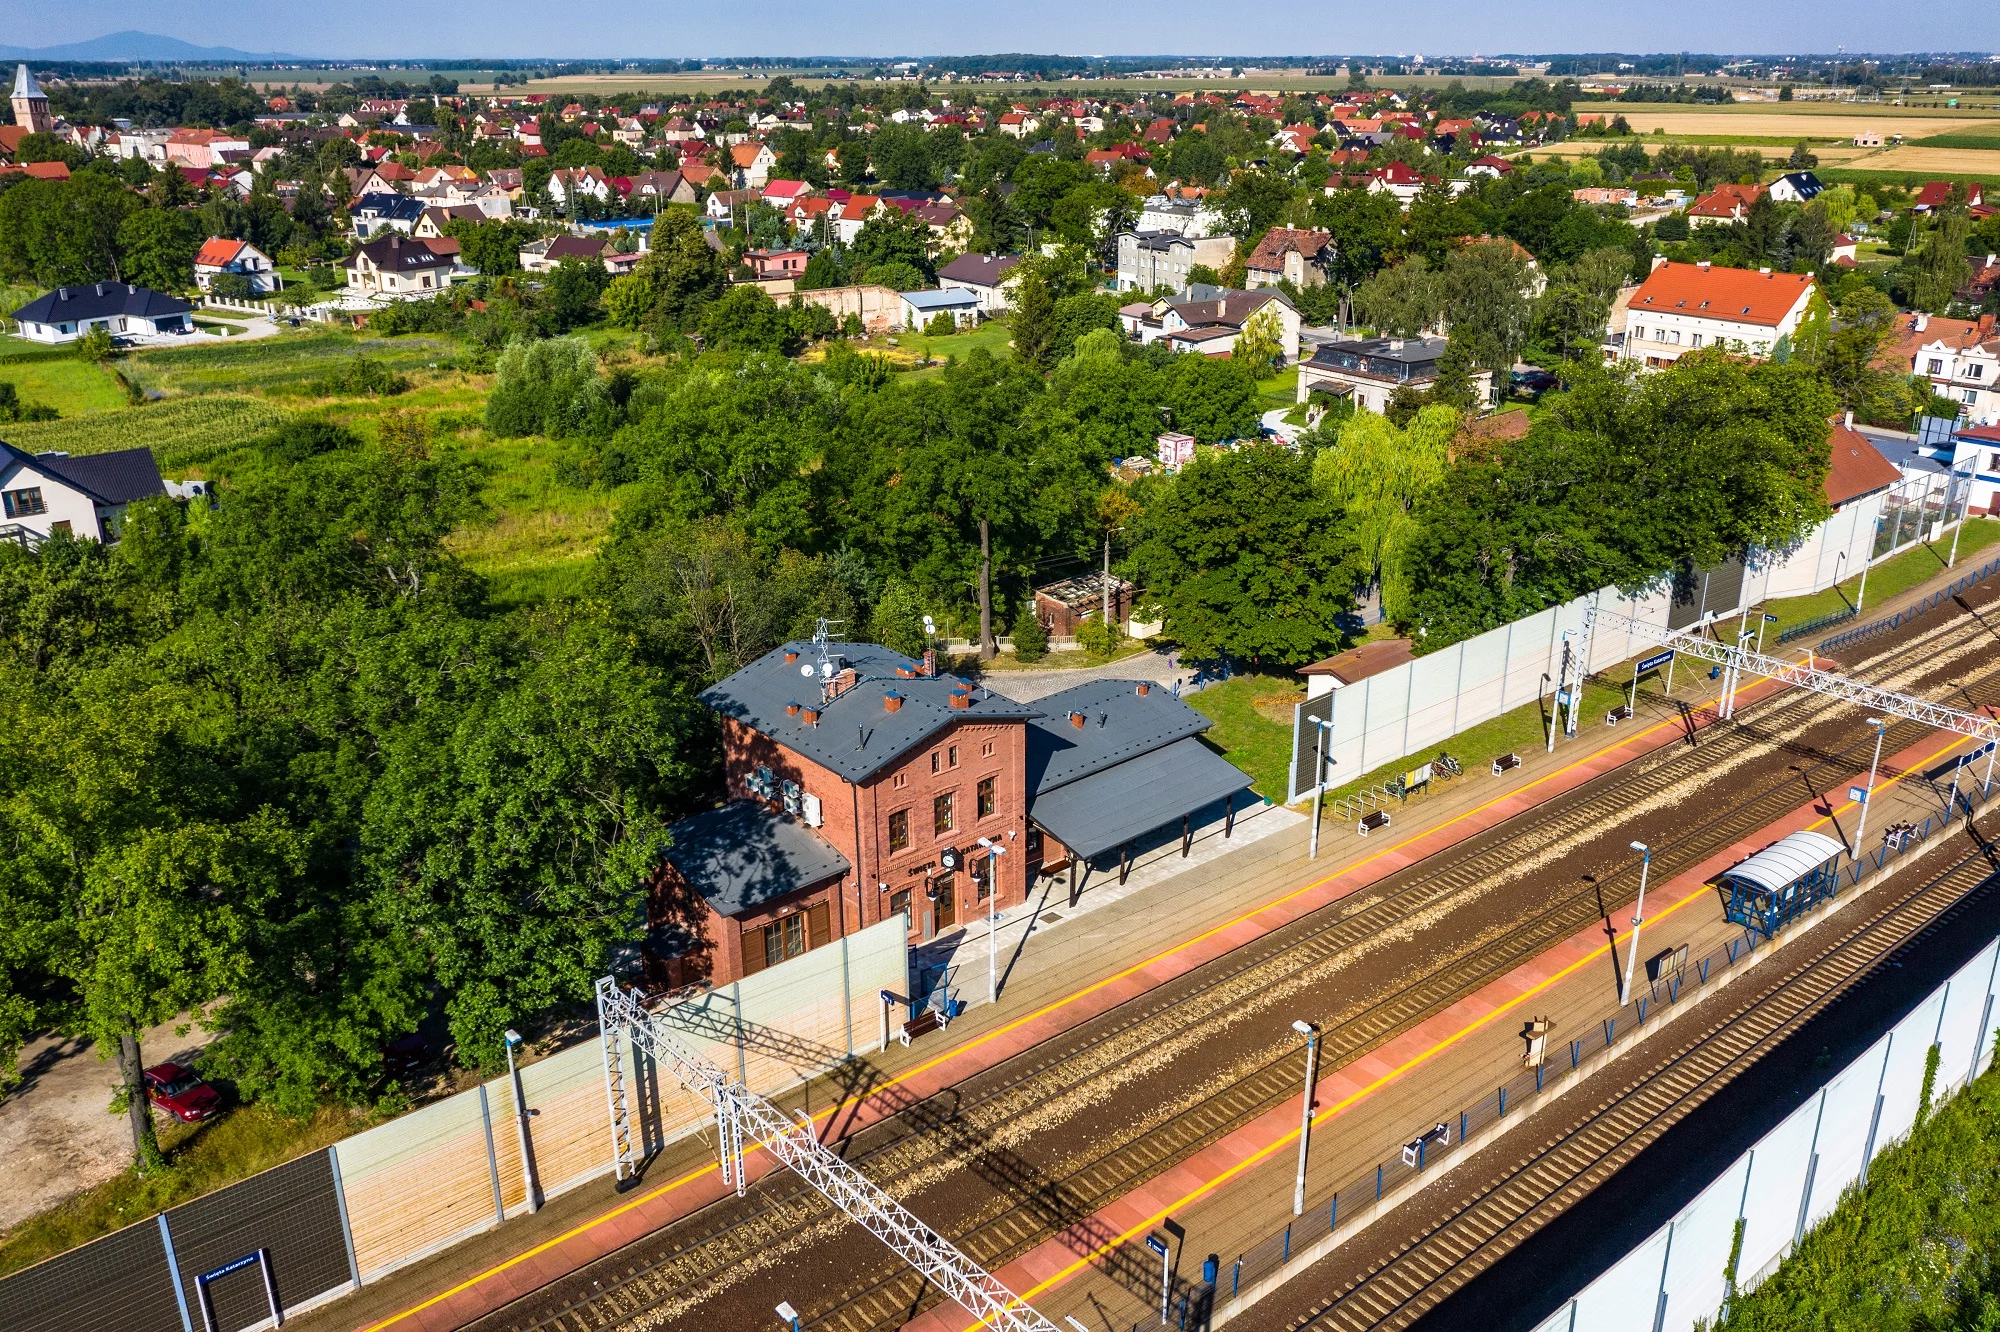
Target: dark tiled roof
{"points": [[1119, 723], [118, 477], [747, 854], [856, 735], [100, 300], [983, 269], [399, 254], [391, 207]]}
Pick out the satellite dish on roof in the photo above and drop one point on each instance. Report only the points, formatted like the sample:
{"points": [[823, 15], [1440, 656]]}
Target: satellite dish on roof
{"points": [[826, 669], [930, 625], [806, 670]]}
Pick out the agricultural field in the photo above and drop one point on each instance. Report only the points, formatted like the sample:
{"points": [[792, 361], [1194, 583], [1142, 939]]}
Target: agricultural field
{"points": [[182, 432], [1806, 122], [286, 365], [1932, 161]]}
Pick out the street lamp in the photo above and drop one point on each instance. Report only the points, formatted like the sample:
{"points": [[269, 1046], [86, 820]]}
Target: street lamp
{"points": [[1319, 779], [1881, 726], [512, 1039], [1311, 1033], [993, 852], [1638, 919]]}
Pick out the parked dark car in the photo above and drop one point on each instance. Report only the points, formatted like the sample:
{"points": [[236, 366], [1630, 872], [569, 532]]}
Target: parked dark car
{"points": [[1534, 383], [181, 1093]]}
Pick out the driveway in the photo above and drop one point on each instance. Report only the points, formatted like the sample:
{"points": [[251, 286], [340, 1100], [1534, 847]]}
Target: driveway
{"points": [[1160, 665], [61, 1137]]}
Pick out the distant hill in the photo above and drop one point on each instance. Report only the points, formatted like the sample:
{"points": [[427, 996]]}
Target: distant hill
{"points": [[139, 46]]}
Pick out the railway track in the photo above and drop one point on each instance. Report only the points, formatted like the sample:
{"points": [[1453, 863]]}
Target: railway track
{"points": [[667, 1279], [1591, 1147]]}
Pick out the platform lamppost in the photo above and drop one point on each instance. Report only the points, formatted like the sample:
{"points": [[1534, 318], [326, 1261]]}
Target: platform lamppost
{"points": [[1311, 1033], [1319, 779], [510, 1040], [993, 853], [1638, 919], [1881, 726]]}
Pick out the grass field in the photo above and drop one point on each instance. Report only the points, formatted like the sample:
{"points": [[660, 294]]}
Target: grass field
{"points": [[1933, 161], [1246, 734], [285, 364], [539, 532], [70, 386], [1886, 580]]}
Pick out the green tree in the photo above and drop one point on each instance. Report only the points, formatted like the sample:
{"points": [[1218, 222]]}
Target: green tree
{"points": [[892, 236], [1032, 321], [1486, 302], [157, 249], [745, 319], [1402, 301], [898, 623], [549, 387], [1031, 640], [679, 275], [1260, 346], [1378, 474], [1935, 268], [64, 232], [1211, 400], [1249, 559]]}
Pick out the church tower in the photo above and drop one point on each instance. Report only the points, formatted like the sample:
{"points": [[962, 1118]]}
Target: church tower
{"points": [[31, 104]]}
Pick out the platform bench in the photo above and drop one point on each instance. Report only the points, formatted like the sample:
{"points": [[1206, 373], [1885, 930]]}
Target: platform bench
{"points": [[1506, 763], [922, 1024], [1371, 821], [1617, 714]]}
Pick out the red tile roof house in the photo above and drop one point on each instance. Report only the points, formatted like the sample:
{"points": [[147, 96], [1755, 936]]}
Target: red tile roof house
{"points": [[1285, 254], [219, 255], [863, 785], [1681, 308], [1725, 203], [776, 263], [1937, 193]]}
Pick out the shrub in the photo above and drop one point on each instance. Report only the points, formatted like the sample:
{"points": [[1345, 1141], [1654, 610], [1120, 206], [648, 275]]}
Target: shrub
{"points": [[940, 325], [361, 375], [94, 345], [1031, 641], [1097, 637]]}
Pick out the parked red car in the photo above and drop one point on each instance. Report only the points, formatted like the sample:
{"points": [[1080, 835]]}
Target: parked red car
{"points": [[181, 1093]]}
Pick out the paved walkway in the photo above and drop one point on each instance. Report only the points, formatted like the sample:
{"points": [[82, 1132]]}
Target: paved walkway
{"points": [[1160, 665]]}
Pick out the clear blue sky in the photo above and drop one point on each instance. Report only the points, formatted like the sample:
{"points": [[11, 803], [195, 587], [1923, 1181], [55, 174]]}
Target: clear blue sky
{"points": [[536, 28]]}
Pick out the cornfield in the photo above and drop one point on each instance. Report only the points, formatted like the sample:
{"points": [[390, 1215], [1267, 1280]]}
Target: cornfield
{"points": [[182, 432]]}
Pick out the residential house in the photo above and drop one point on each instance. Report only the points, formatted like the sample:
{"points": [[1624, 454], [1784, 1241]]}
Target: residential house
{"points": [[854, 215], [950, 228], [377, 214], [431, 225], [1606, 196], [1151, 260], [1681, 308], [121, 309], [1935, 194], [1346, 669], [1019, 124], [731, 205], [776, 263], [1398, 179], [948, 775], [659, 188], [1370, 370], [920, 307], [1159, 132], [1797, 187], [543, 255], [990, 277], [751, 164], [1183, 217], [567, 184], [1489, 166], [219, 255], [782, 194], [83, 495], [1960, 358], [1723, 204], [202, 147], [1843, 252], [1209, 319], [398, 266], [1285, 254]]}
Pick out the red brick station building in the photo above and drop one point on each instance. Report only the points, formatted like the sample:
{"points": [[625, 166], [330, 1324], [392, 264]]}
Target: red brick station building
{"points": [[862, 784]]}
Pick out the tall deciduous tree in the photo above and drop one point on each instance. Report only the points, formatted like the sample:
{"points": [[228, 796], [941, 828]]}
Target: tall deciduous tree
{"points": [[1249, 558]]}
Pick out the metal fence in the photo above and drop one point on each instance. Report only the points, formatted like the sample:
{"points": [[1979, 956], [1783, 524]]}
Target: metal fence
{"points": [[1863, 633], [1683, 1273], [335, 1220], [1332, 1207]]}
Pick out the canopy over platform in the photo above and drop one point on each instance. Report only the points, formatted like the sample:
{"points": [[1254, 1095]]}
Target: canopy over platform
{"points": [[1126, 801], [1779, 883]]}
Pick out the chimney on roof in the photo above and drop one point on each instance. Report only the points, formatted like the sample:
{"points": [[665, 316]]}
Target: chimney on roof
{"points": [[1923, 321], [892, 702], [1659, 262], [1702, 265], [792, 709], [1144, 689], [791, 657], [1076, 719], [810, 716], [1765, 272], [1849, 422]]}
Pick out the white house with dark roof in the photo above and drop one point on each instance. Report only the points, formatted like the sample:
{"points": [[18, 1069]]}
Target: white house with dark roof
{"points": [[123, 310], [83, 495], [990, 277]]}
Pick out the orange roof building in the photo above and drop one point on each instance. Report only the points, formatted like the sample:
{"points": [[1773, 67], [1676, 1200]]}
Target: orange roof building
{"points": [[1686, 307]]}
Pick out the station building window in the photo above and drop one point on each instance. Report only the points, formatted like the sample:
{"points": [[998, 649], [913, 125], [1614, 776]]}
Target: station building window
{"points": [[941, 814], [988, 801], [899, 830]]}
